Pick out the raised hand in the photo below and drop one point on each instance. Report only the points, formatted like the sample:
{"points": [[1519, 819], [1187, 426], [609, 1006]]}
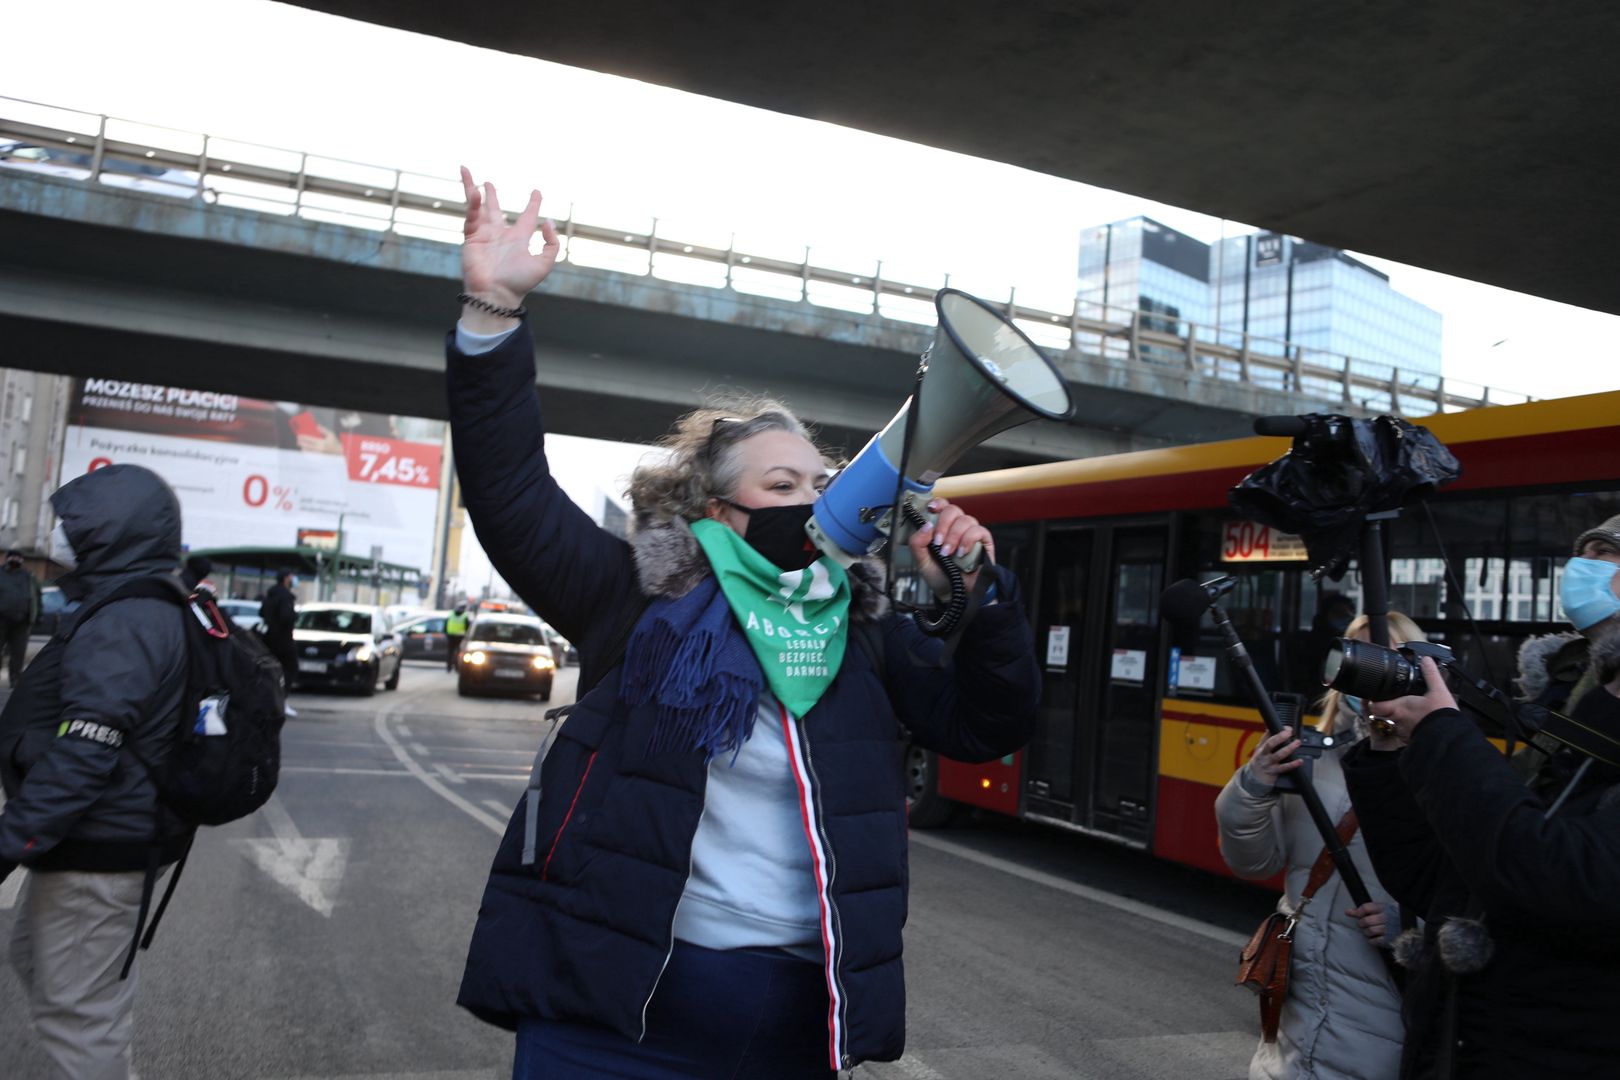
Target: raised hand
{"points": [[496, 263]]}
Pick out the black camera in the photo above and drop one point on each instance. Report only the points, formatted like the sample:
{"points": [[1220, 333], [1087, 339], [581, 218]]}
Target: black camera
{"points": [[1378, 673]]}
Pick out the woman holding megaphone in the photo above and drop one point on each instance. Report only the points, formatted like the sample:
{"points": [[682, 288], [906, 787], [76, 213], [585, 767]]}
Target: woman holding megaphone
{"points": [[707, 876]]}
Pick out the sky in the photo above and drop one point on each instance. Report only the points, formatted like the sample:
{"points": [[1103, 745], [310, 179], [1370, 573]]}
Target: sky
{"points": [[620, 152]]}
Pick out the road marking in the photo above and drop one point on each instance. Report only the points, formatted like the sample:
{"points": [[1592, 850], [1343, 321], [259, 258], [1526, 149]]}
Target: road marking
{"points": [[329, 770], [445, 771], [466, 1074], [11, 887], [498, 806], [1085, 892], [380, 723], [517, 751], [916, 1070], [312, 869], [404, 732]]}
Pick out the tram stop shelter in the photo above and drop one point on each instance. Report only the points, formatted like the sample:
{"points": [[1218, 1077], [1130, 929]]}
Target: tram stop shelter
{"points": [[247, 572]]}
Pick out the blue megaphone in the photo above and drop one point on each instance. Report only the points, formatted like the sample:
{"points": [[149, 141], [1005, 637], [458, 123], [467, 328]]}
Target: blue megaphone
{"points": [[983, 376]]}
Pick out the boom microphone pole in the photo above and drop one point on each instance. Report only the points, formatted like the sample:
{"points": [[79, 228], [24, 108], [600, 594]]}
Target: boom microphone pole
{"points": [[1185, 601]]}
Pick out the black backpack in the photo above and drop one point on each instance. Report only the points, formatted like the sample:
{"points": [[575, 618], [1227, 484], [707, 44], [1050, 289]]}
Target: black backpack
{"points": [[226, 755]]}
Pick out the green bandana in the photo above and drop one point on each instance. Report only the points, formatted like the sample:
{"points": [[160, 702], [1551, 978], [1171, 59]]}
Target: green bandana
{"points": [[796, 622]]}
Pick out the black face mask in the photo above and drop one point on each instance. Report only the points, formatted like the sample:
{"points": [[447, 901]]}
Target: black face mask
{"points": [[777, 532]]}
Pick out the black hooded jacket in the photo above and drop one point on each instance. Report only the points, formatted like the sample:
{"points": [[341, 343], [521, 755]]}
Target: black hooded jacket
{"points": [[90, 710], [1449, 825]]}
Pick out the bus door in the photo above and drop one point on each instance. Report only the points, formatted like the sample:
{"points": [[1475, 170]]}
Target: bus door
{"points": [[1062, 645], [1120, 743]]}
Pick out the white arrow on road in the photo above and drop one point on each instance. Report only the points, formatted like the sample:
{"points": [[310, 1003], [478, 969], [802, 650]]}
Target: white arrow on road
{"points": [[311, 868]]}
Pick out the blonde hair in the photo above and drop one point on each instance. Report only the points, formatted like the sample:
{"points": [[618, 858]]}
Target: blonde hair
{"points": [[1401, 630], [701, 456]]}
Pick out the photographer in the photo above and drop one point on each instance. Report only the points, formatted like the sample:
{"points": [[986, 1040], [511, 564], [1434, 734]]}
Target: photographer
{"points": [[1514, 973], [1340, 1018]]}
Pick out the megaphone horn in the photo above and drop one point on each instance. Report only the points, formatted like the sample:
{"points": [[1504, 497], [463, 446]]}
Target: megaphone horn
{"points": [[983, 376]]}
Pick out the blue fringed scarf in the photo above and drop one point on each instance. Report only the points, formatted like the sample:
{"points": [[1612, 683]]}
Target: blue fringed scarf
{"points": [[688, 655]]}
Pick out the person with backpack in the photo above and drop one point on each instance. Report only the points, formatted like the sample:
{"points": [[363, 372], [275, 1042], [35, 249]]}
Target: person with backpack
{"points": [[19, 607], [708, 876], [92, 716]]}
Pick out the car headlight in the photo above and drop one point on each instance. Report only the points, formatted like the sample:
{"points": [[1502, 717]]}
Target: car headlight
{"points": [[541, 662], [361, 654], [475, 658]]}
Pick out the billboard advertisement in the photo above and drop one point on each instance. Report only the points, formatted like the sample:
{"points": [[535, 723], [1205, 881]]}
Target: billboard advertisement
{"points": [[252, 473]]}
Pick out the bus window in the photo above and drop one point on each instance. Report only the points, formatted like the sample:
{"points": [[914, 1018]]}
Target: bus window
{"points": [[1062, 646]]}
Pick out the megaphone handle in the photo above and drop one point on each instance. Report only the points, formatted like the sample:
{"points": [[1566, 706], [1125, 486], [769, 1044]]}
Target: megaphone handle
{"points": [[916, 514]]}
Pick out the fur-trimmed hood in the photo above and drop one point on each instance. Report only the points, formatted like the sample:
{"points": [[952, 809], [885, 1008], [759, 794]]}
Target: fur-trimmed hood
{"points": [[670, 563], [1547, 657]]}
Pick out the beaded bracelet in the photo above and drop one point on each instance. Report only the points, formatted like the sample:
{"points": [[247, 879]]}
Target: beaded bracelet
{"points": [[494, 309]]}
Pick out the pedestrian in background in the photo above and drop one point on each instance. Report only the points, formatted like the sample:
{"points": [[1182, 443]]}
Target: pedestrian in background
{"points": [[19, 608], [715, 876], [279, 610], [455, 631], [93, 714], [1341, 1017]]}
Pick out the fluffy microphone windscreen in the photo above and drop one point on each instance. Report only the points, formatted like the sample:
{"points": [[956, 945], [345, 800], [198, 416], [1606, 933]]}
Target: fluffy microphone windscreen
{"points": [[1184, 602]]}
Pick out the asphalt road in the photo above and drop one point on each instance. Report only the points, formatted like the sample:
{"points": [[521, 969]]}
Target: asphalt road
{"points": [[324, 937]]}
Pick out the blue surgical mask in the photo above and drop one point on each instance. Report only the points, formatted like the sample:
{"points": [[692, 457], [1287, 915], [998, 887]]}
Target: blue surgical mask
{"points": [[1587, 591], [1354, 704]]}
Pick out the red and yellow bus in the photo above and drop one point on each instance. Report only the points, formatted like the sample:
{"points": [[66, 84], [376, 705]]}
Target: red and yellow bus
{"points": [[1140, 726]]}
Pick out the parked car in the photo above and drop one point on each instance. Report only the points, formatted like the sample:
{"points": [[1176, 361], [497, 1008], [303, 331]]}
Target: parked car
{"points": [[243, 613], [423, 637], [506, 653], [52, 606], [345, 646]]}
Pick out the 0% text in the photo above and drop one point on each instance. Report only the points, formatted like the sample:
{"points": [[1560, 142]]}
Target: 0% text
{"points": [[257, 492]]}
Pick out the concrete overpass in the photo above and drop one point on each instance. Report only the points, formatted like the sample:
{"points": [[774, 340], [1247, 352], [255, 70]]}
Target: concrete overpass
{"points": [[1475, 139], [96, 280]]}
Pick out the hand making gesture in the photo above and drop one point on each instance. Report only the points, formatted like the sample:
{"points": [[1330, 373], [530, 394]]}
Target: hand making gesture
{"points": [[496, 263]]}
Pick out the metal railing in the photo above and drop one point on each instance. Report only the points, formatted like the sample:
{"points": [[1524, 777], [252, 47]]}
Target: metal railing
{"points": [[230, 172]]}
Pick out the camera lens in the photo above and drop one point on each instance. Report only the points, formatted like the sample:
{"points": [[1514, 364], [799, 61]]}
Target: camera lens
{"points": [[1370, 671]]}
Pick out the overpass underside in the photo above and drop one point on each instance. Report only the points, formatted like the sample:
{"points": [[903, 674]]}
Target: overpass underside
{"points": [[103, 282], [1475, 139]]}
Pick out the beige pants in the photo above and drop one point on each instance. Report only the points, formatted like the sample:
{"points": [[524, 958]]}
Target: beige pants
{"points": [[68, 943]]}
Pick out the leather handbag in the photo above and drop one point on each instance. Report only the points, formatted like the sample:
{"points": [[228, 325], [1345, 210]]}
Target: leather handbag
{"points": [[1263, 964]]}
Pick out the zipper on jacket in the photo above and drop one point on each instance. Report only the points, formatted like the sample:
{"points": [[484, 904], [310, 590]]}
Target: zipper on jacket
{"points": [[668, 953], [837, 1029]]}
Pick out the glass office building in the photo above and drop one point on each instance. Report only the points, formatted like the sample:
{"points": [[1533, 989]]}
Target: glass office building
{"points": [[1292, 297], [1142, 265], [1324, 304]]}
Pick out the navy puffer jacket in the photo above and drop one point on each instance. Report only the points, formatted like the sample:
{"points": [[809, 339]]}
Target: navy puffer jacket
{"points": [[584, 933]]}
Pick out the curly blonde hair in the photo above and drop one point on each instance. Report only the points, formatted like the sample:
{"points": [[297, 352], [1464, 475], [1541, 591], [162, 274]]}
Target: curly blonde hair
{"points": [[701, 456]]}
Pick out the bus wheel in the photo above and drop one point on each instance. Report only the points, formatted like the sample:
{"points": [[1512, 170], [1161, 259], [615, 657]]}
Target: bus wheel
{"points": [[925, 807]]}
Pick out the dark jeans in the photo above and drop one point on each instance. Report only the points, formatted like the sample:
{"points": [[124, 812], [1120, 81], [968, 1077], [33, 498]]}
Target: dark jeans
{"points": [[737, 1014], [281, 646], [14, 642], [455, 647]]}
